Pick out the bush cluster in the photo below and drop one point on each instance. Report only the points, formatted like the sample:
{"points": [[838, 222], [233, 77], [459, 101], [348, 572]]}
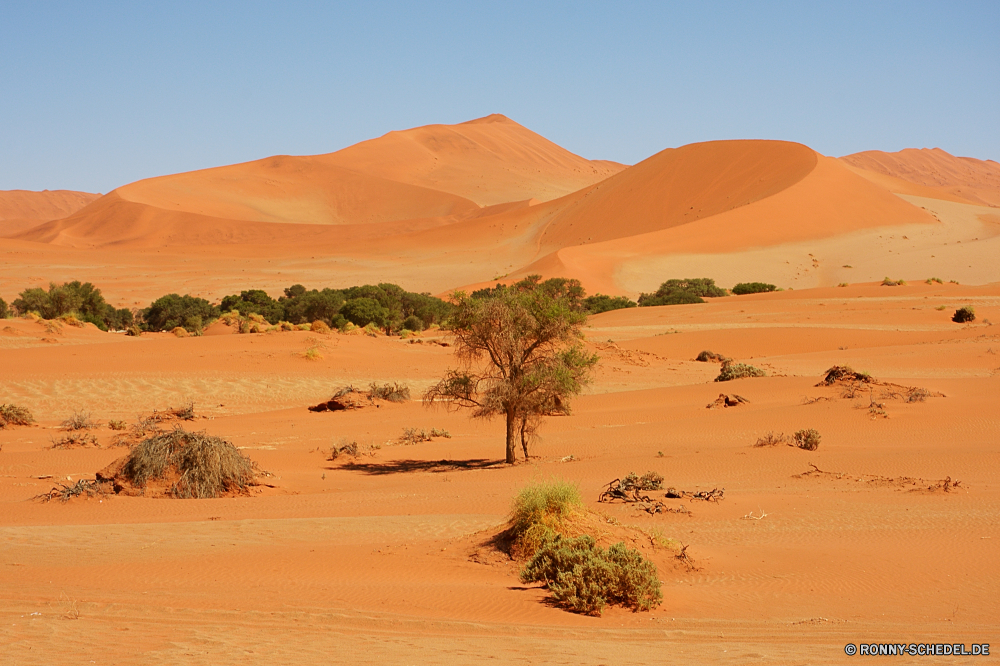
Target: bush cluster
{"points": [[731, 371], [586, 577], [4, 310], [567, 288], [807, 439], [80, 299], [679, 292], [964, 315], [753, 288], [14, 415], [599, 303]]}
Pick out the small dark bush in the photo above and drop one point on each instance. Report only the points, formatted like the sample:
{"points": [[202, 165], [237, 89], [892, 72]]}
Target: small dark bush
{"points": [[586, 577], [206, 466], [731, 371], [14, 415], [413, 323], [844, 373], [963, 315], [711, 357], [600, 303], [807, 439], [4, 310], [648, 481], [753, 288], [893, 283], [679, 292]]}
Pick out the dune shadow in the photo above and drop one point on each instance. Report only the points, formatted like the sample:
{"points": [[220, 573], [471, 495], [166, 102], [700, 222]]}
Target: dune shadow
{"points": [[405, 466]]}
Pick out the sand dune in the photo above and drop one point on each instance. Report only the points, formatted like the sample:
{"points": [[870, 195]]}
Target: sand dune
{"points": [[22, 209], [972, 180]]}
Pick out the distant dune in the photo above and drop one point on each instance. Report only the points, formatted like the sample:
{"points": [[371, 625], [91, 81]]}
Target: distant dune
{"points": [[965, 178], [23, 209]]}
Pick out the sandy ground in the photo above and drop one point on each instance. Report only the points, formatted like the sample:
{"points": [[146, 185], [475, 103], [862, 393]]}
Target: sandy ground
{"points": [[374, 560]]}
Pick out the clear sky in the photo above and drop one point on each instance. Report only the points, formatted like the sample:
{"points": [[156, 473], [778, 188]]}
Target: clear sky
{"points": [[94, 95]]}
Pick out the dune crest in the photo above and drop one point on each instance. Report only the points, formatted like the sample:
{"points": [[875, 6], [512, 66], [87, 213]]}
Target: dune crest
{"points": [[969, 179], [23, 209]]}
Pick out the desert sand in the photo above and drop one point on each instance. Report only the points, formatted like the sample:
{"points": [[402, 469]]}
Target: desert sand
{"points": [[381, 558]]}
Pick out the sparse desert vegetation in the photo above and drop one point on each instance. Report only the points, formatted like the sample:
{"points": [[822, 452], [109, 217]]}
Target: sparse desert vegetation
{"points": [[964, 315]]}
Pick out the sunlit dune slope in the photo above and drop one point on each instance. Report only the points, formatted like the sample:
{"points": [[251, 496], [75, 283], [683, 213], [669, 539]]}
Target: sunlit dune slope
{"points": [[490, 160], [969, 179], [22, 209]]}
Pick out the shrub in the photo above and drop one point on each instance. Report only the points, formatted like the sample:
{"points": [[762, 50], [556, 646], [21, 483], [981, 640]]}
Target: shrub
{"points": [[344, 447], [753, 288], [807, 439], [391, 392], [892, 283], [679, 292], [600, 303], [843, 284], [254, 301], [365, 311], [319, 326], [844, 373], [586, 577], [206, 466], [963, 315], [772, 439], [79, 420], [933, 280], [731, 371], [4, 310], [74, 440], [14, 415], [648, 481], [540, 511], [168, 312], [116, 424], [312, 354], [180, 332], [413, 323], [710, 356]]}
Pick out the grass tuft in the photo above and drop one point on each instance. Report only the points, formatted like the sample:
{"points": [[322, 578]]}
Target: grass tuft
{"points": [[13, 415], [731, 371]]}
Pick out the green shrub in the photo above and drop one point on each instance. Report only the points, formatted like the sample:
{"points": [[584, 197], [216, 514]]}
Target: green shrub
{"points": [[81, 299], [255, 301], [600, 303], [168, 312], [4, 310], [933, 280], [540, 511], [14, 415], [893, 283], [731, 371], [807, 439], [963, 315], [753, 288], [586, 577], [413, 323], [679, 292]]}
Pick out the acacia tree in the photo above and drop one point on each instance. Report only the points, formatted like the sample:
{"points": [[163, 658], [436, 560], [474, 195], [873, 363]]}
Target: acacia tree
{"points": [[522, 357]]}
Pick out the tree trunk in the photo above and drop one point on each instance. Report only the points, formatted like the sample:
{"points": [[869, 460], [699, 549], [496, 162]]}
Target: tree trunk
{"points": [[511, 437], [524, 436]]}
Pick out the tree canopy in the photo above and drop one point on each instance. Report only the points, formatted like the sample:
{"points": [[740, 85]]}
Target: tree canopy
{"points": [[521, 354]]}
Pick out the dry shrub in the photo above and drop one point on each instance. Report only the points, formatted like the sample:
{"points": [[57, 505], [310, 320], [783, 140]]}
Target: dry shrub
{"points": [[82, 488], [71, 320], [116, 424], [417, 435], [918, 395], [586, 577], [711, 357], [964, 315], [312, 354], [79, 420], [347, 447], [844, 373], [539, 512], [391, 392], [205, 466], [648, 481], [731, 371], [319, 327], [13, 415], [773, 439], [75, 440], [807, 439], [893, 283], [180, 332]]}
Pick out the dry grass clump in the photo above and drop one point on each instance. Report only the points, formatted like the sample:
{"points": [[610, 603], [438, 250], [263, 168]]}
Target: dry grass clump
{"points": [[539, 512], [75, 440], [180, 332], [773, 439], [319, 327], [933, 280], [807, 439], [116, 424], [79, 420], [417, 435], [844, 373], [649, 481], [205, 466], [585, 577], [312, 354], [392, 392], [347, 447], [893, 283], [711, 357], [731, 371], [11, 414]]}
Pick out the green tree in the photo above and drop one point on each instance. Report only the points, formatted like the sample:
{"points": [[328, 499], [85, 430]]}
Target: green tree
{"points": [[600, 303], [171, 311], [522, 357], [753, 288], [679, 292], [254, 301], [3, 309]]}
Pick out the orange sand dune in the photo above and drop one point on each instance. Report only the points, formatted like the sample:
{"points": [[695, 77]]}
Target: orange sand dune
{"points": [[22, 209], [490, 160], [975, 181]]}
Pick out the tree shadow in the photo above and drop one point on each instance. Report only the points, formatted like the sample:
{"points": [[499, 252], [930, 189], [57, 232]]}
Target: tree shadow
{"points": [[405, 466]]}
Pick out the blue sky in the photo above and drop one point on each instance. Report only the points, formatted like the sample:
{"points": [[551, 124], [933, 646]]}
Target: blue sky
{"points": [[94, 95]]}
